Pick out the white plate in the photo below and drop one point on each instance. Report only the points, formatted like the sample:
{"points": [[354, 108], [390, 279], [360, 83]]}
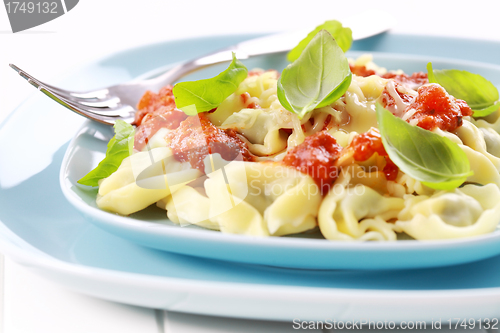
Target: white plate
{"points": [[42, 231]]}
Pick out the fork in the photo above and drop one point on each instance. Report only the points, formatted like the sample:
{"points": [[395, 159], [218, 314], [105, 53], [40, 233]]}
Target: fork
{"points": [[106, 105]]}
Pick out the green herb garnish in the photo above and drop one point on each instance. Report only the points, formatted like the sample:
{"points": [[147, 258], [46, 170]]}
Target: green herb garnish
{"points": [[319, 77], [194, 97], [480, 94], [434, 160], [119, 147], [343, 37]]}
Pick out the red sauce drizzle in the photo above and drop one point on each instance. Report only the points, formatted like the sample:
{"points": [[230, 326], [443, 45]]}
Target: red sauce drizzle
{"points": [[196, 137], [328, 122], [435, 108], [389, 102], [316, 156], [245, 97], [415, 80], [361, 70], [151, 103], [369, 143], [155, 111]]}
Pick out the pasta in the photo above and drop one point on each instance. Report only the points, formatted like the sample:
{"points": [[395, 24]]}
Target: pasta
{"points": [[345, 206], [469, 211], [252, 167], [140, 182], [260, 200]]}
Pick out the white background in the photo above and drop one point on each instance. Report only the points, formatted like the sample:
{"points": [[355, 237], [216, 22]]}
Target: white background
{"points": [[98, 27]]}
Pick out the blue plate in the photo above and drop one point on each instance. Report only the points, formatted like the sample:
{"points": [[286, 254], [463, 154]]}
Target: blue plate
{"points": [[151, 227], [42, 231]]}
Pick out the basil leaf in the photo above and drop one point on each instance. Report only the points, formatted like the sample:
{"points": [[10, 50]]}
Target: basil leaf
{"points": [[205, 95], [119, 147], [319, 77], [480, 94], [342, 35], [436, 161], [486, 111]]}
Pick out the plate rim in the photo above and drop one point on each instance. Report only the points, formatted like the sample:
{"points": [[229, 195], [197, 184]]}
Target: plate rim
{"points": [[39, 260]]}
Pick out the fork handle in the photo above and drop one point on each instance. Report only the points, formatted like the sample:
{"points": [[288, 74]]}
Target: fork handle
{"points": [[244, 50]]}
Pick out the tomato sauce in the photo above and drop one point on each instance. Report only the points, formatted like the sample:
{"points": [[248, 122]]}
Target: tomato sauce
{"points": [[155, 111], [366, 144], [389, 102], [435, 108], [414, 81], [316, 156], [361, 70], [196, 137], [152, 103]]}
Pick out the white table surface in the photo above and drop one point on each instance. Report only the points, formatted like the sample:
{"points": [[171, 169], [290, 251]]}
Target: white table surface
{"points": [[94, 28]]}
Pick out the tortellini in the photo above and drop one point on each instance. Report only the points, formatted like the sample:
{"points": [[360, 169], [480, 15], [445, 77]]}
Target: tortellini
{"points": [[357, 212], [469, 211], [179, 207], [143, 179], [474, 142], [261, 128], [474, 138], [259, 199]]}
